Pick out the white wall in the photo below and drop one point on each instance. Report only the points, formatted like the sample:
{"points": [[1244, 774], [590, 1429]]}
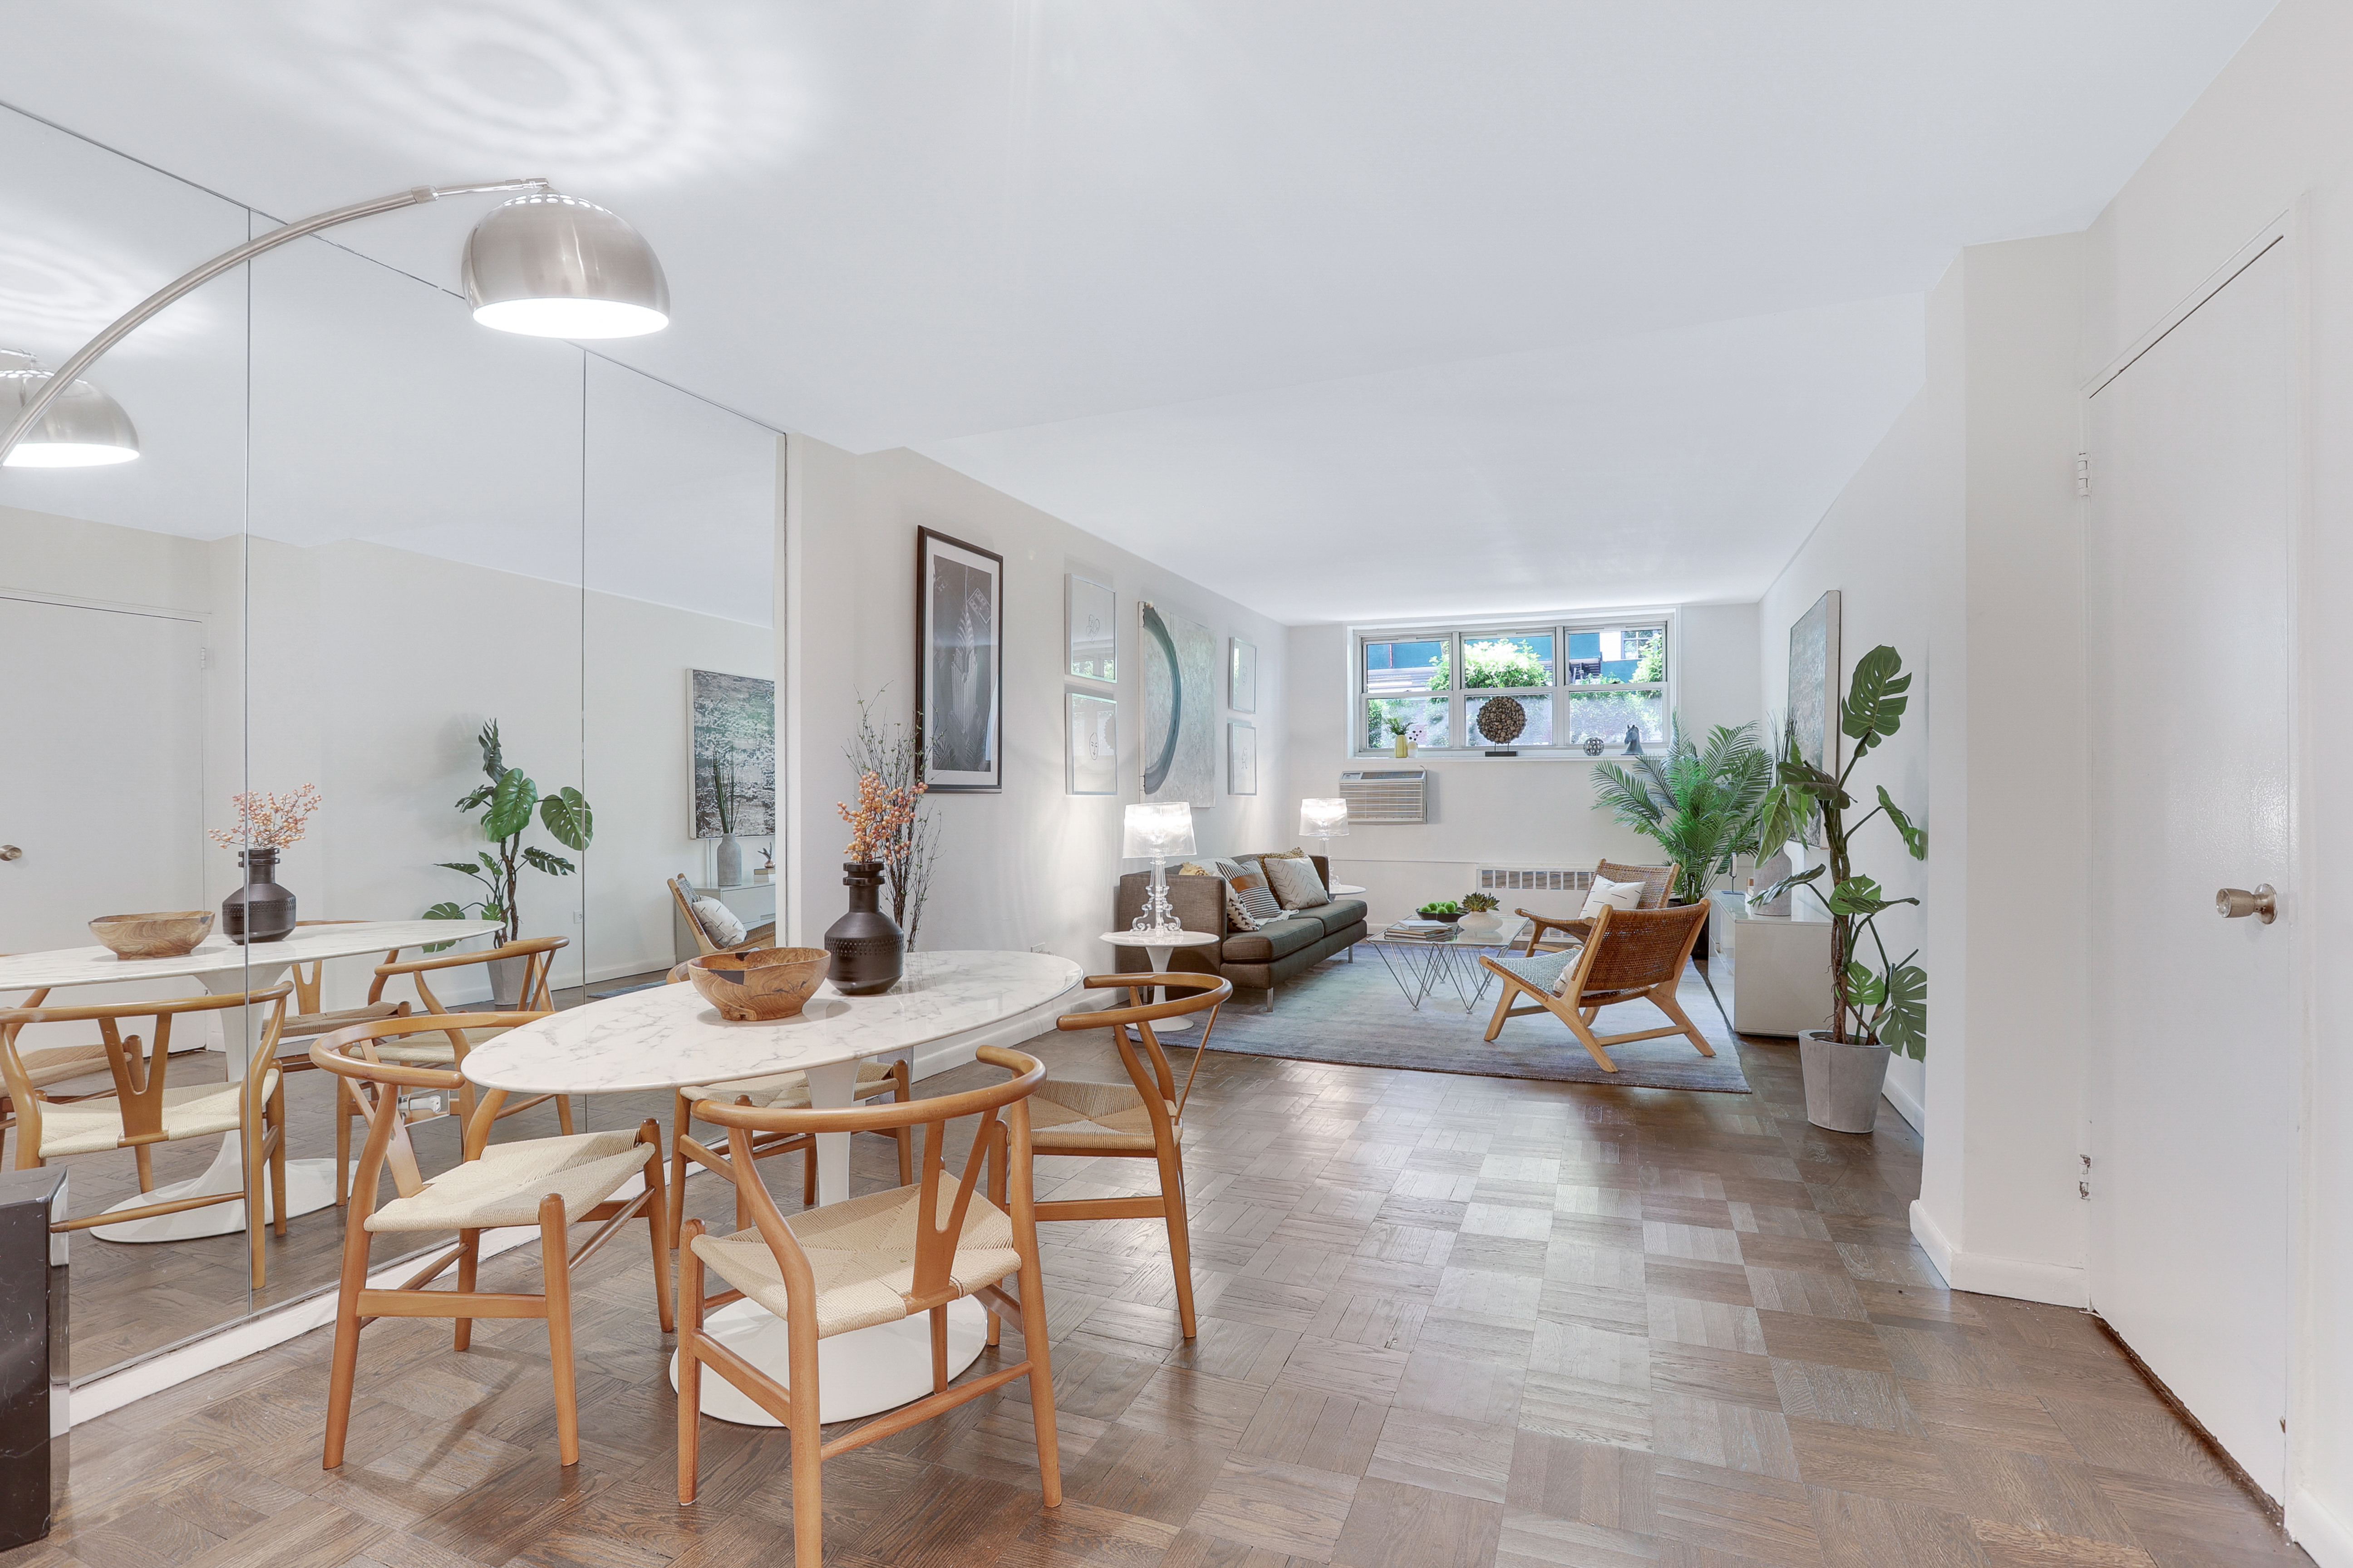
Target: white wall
{"points": [[1032, 865], [2275, 134], [1498, 811]]}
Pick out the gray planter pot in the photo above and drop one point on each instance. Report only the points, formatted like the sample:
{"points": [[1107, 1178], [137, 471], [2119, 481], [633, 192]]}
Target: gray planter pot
{"points": [[1842, 1082], [506, 982]]}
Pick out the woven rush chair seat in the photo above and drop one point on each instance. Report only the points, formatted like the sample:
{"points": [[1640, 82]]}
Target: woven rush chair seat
{"points": [[310, 1025], [505, 1187], [88, 1126], [434, 1050], [786, 1090], [1069, 1117], [862, 1252]]}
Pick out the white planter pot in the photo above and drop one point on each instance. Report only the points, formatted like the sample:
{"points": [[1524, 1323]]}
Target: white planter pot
{"points": [[1482, 924], [1842, 1082]]}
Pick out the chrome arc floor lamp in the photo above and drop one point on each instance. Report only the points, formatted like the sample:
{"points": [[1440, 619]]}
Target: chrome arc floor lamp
{"points": [[543, 264]]}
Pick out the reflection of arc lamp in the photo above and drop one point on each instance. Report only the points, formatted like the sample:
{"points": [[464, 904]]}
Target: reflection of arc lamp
{"points": [[1500, 720]]}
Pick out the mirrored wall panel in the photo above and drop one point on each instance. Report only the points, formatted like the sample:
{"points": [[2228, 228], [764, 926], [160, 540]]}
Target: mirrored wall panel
{"points": [[410, 666]]}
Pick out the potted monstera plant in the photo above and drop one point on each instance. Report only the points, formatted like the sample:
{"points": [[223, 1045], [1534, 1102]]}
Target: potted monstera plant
{"points": [[506, 802], [1879, 1004]]}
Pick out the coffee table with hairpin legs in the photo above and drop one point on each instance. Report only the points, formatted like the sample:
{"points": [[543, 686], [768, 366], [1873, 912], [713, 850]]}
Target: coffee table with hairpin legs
{"points": [[1420, 965]]}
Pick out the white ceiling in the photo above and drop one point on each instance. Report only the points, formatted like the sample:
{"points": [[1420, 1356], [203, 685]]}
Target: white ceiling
{"points": [[1552, 302]]}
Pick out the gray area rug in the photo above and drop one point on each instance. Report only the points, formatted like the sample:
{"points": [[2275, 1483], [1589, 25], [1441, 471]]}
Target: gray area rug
{"points": [[1355, 1012]]}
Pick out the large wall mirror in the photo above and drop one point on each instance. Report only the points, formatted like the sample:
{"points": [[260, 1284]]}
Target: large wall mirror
{"points": [[361, 529]]}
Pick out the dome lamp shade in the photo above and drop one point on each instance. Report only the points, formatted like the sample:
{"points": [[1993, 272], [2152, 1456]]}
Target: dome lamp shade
{"points": [[552, 266], [81, 428]]}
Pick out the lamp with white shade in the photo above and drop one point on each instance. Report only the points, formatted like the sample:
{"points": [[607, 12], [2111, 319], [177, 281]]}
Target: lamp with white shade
{"points": [[543, 264], [1325, 819], [1158, 831]]}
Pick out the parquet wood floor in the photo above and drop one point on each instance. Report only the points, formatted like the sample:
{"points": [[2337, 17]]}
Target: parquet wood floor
{"points": [[1444, 1321]]}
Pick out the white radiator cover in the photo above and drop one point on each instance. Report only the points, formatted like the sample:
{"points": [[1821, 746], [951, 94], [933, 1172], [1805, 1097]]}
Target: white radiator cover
{"points": [[1534, 879]]}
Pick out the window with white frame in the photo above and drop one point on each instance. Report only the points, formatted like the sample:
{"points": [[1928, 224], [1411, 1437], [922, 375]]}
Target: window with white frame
{"points": [[1583, 688]]}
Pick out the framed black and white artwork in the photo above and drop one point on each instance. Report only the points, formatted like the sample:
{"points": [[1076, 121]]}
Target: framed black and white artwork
{"points": [[732, 747], [959, 663], [1092, 629], [1241, 676], [1241, 759], [1093, 761]]}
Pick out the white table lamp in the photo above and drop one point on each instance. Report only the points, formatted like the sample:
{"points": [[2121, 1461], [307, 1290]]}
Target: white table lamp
{"points": [[1325, 819], [1158, 832]]}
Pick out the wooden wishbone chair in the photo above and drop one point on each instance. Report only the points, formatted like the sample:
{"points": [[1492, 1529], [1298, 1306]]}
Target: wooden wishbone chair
{"points": [[877, 1258], [550, 1183], [1632, 955], [446, 1047], [782, 1091], [50, 1065], [1139, 1120], [143, 1110]]}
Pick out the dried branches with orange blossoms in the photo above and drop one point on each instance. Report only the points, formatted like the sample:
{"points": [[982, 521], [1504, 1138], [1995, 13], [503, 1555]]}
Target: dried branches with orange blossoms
{"points": [[266, 822], [901, 834]]}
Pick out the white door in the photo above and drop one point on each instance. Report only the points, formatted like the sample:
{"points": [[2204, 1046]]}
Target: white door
{"points": [[101, 768], [2193, 1082]]}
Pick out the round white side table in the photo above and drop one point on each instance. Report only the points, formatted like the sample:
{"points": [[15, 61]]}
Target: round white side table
{"points": [[1159, 947], [1343, 889]]}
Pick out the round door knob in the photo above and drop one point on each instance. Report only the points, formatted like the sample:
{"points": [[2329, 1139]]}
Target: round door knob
{"points": [[2237, 903], [10, 852]]}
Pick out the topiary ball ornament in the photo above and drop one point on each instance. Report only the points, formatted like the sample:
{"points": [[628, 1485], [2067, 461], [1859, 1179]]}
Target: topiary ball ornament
{"points": [[1500, 720]]}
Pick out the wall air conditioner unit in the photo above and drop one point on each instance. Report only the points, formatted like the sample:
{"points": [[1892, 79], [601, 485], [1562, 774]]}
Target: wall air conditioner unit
{"points": [[1532, 879], [1386, 794]]}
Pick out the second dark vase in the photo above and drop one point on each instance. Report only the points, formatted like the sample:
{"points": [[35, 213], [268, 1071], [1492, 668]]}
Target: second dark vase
{"points": [[869, 950], [260, 911]]}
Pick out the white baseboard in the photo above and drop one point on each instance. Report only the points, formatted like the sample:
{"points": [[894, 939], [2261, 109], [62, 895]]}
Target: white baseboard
{"points": [[1906, 1107], [2023, 1279], [2326, 1539]]}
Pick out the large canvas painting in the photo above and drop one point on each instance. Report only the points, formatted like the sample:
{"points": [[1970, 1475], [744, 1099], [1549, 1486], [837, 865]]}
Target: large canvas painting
{"points": [[1090, 623], [1813, 682], [731, 740], [1180, 698], [959, 663], [1093, 761]]}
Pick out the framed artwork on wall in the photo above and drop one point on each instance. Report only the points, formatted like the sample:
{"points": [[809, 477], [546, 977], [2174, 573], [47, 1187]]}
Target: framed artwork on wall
{"points": [[1241, 759], [1179, 662], [1813, 682], [732, 750], [959, 663], [1241, 676], [1093, 765], [1090, 627]]}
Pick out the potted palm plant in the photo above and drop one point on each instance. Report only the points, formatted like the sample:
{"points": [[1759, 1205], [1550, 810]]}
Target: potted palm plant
{"points": [[1700, 802], [1878, 1004]]}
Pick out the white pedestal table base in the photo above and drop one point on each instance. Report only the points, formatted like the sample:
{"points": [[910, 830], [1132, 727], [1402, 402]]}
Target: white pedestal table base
{"points": [[310, 1187], [862, 1372]]}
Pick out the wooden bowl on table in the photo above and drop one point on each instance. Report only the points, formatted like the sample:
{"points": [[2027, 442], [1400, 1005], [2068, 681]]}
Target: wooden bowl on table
{"points": [[166, 934], [765, 983]]}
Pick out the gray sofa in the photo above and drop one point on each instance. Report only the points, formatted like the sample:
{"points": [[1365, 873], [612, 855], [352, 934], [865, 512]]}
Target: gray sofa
{"points": [[1253, 960]]}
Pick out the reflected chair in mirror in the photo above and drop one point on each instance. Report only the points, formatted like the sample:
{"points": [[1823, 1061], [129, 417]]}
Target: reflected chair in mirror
{"points": [[446, 1047], [867, 1261], [1632, 955], [1657, 886], [47, 1066], [550, 1183], [681, 893], [1142, 1119], [144, 1110], [780, 1091]]}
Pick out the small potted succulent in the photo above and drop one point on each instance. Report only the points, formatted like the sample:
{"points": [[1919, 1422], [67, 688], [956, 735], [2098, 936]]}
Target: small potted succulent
{"points": [[1479, 914]]}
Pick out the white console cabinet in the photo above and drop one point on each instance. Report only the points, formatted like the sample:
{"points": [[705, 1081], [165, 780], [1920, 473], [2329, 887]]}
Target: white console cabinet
{"points": [[1781, 973]]}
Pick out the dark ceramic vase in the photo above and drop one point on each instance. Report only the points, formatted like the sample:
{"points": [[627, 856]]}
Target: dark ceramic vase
{"points": [[260, 911], [869, 950]]}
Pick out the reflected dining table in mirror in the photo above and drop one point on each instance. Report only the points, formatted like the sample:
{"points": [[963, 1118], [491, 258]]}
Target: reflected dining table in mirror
{"points": [[222, 966], [667, 1036]]}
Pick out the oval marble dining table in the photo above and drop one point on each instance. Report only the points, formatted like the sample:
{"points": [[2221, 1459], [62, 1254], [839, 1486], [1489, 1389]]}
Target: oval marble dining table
{"points": [[667, 1036]]}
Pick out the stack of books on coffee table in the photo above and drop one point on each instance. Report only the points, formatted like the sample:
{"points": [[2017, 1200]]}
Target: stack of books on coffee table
{"points": [[1421, 931]]}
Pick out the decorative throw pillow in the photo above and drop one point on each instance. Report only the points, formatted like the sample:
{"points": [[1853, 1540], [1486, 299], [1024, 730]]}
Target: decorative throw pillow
{"points": [[1296, 886], [1236, 915], [1248, 885], [1284, 854], [1611, 894], [719, 922]]}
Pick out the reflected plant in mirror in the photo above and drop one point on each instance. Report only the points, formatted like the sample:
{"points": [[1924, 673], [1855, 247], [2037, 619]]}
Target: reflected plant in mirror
{"points": [[506, 805]]}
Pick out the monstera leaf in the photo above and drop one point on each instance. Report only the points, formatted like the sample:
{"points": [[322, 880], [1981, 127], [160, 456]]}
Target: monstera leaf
{"points": [[511, 805], [553, 865], [1861, 896], [1916, 837], [1794, 879], [1873, 709], [567, 816], [1864, 987], [1904, 1025]]}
